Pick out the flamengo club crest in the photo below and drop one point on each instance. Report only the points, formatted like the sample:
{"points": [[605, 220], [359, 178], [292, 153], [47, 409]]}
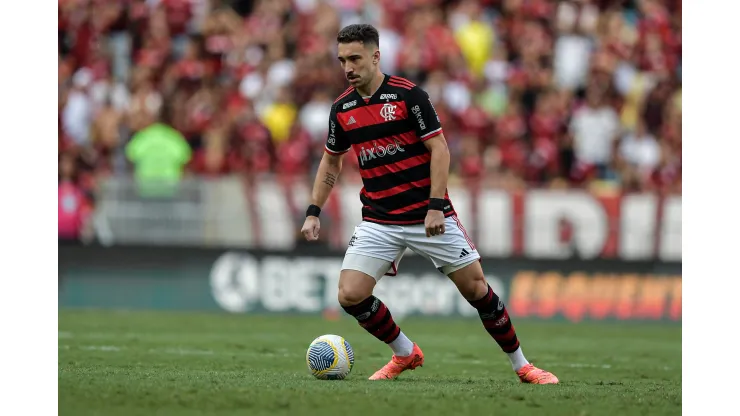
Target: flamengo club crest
{"points": [[388, 112]]}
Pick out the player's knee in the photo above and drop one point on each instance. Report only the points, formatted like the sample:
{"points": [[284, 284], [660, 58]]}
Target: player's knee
{"points": [[352, 295], [470, 282], [354, 288], [474, 287]]}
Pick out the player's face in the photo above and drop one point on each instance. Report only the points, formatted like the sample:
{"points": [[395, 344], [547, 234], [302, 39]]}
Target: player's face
{"points": [[358, 62]]}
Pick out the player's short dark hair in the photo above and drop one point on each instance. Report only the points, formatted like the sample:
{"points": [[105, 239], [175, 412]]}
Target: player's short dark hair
{"points": [[364, 33]]}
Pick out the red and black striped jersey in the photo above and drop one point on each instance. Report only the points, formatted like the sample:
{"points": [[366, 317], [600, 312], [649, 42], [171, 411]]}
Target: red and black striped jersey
{"points": [[387, 132]]}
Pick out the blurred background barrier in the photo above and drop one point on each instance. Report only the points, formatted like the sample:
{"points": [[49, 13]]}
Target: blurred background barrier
{"points": [[304, 280], [268, 213]]}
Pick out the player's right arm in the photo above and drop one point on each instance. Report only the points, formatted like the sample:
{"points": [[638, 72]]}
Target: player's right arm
{"points": [[326, 176]]}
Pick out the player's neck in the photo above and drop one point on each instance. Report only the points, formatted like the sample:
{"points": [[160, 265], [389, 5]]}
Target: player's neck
{"points": [[372, 86]]}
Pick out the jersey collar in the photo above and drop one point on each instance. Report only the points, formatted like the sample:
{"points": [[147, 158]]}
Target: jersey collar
{"points": [[374, 98]]}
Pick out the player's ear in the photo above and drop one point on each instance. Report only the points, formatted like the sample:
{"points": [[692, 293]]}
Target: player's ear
{"points": [[376, 57]]}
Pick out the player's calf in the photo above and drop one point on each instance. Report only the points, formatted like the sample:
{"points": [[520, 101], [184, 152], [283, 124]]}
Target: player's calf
{"points": [[374, 316], [355, 296], [492, 311], [495, 318], [472, 285]]}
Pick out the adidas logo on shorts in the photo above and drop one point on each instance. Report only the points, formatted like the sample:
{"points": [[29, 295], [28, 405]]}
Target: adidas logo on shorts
{"points": [[463, 253]]}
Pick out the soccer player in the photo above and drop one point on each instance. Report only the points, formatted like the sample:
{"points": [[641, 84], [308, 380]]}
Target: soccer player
{"points": [[404, 163]]}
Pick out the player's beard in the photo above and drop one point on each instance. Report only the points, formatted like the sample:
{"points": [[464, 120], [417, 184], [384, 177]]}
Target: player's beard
{"points": [[363, 82]]}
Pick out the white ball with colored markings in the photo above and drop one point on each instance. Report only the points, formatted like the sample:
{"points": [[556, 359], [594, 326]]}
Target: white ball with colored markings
{"points": [[330, 357]]}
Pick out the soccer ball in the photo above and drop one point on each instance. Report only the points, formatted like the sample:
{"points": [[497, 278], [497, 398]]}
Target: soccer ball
{"points": [[330, 357]]}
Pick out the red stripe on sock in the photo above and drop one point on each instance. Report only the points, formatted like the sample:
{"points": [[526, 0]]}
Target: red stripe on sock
{"points": [[384, 328], [508, 336], [501, 322], [477, 304], [392, 337], [375, 319]]}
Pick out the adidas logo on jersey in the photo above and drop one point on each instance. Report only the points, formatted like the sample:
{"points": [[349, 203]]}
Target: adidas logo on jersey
{"points": [[351, 120]]}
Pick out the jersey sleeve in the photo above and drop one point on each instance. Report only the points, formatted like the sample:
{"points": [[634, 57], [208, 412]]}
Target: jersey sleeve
{"points": [[336, 141], [422, 114]]}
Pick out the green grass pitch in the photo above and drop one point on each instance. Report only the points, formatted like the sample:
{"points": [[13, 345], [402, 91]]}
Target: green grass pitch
{"points": [[155, 363]]}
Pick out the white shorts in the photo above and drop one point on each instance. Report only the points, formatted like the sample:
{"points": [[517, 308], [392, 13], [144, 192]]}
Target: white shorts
{"points": [[377, 249]]}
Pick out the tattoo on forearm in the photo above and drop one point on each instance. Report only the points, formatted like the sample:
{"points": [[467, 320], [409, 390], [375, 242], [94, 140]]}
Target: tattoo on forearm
{"points": [[330, 179]]}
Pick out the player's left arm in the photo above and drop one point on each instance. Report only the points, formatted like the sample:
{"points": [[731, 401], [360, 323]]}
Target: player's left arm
{"points": [[439, 172], [429, 130], [440, 165]]}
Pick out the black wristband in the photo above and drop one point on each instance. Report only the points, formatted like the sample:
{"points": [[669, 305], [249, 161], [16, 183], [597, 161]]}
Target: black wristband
{"points": [[313, 211], [437, 204]]}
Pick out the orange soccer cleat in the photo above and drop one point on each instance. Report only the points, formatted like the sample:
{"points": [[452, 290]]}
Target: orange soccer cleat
{"points": [[398, 365], [533, 375]]}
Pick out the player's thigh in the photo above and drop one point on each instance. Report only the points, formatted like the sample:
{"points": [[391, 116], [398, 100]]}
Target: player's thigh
{"points": [[449, 252], [374, 251]]}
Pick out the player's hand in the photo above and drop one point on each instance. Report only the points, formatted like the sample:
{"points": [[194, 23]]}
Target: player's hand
{"points": [[434, 223], [311, 228]]}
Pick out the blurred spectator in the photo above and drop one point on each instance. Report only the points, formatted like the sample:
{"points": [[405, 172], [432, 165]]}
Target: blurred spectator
{"points": [[74, 206], [106, 133], [248, 85], [78, 111], [280, 115], [313, 117], [254, 143], [159, 154], [640, 150], [575, 22], [390, 42], [474, 35], [595, 129]]}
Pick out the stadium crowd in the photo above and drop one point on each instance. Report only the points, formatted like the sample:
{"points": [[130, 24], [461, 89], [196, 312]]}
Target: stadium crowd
{"points": [[530, 92]]}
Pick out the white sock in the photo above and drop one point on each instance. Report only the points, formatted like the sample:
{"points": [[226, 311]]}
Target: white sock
{"points": [[402, 346], [517, 359]]}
